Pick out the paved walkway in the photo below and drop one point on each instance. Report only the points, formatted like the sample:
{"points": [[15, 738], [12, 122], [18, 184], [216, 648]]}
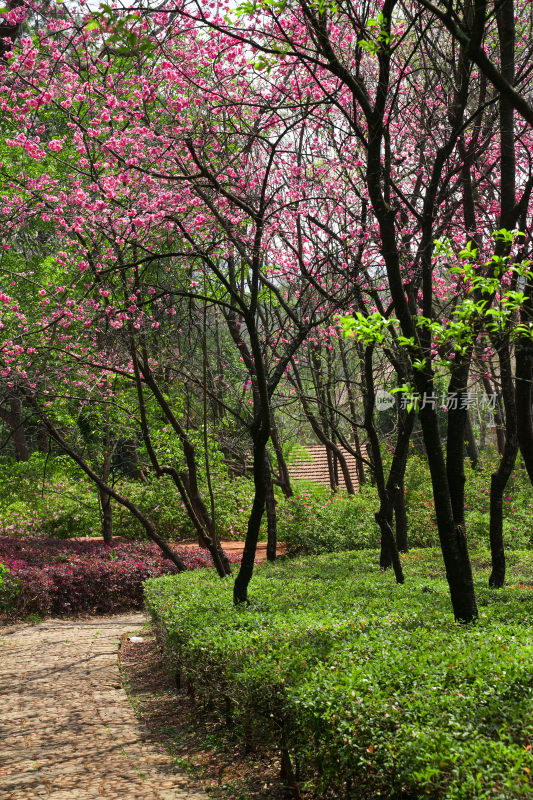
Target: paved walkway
{"points": [[67, 730]]}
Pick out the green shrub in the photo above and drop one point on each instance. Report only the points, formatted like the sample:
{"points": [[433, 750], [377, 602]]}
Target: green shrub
{"points": [[56, 499], [422, 523], [518, 505], [53, 498], [370, 686], [8, 588], [313, 522], [161, 502]]}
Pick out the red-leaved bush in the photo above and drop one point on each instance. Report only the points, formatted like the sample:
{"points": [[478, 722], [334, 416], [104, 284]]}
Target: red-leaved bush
{"points": [[51, 577]]}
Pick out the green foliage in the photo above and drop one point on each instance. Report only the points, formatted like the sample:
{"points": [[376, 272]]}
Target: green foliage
{"points": [[9, 588], [382, 37], [314, 521], [317, 522], [293, 452], [52, 498], [497, 305], [422, 530], [61, 502], [488, 302], [368, 329], [160, 500], [56, 499], [369, 684], [518, 505]]}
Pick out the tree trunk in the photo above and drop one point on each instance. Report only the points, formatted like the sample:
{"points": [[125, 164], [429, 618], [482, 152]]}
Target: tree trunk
{"points": [[19, 435], [107, 516], [452, 536], [490, 391], [242, 581], [361, 478], [270, 503], [284, 478], [393, 488], [389, 550], [207, 533], [471, 444], [331, 469], [105, 498], [400, 516], [43, 440], [455, 469], [498, 482], [132, 460], [325, 429], [387, 491], [15, 420], [187, 480], [524, 399], [502, 474]]}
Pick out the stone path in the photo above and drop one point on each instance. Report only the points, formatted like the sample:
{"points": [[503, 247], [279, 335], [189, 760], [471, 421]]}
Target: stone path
{"points": [[67, 730]]}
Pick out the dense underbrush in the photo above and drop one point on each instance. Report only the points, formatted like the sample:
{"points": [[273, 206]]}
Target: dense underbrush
{"points": [[58, 501], [369, 689], [51, 577], [314, 521]]}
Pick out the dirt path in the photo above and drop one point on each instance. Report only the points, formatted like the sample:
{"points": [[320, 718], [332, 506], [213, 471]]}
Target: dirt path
{"points": [[230, 546], [238, 547], [67, 730]]}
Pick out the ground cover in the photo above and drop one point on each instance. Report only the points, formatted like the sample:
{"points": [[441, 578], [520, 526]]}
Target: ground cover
{"points": [[365, 688], [51, 577]]}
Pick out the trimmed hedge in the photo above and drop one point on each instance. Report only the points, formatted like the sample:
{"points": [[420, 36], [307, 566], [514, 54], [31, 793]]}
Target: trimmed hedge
{"points": [[53, 577], [369, 686]]}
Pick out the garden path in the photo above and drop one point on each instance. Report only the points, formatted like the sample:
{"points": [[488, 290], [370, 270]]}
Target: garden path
{"points": [[231, 546], [67, 730]]}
